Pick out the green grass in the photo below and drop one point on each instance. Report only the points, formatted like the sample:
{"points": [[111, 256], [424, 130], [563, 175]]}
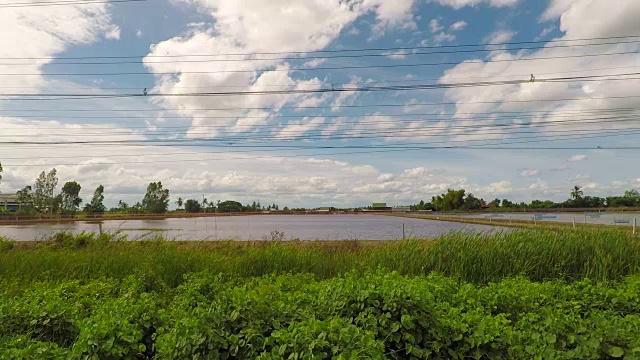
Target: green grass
{"points": [[538, 255], [524, 294]]}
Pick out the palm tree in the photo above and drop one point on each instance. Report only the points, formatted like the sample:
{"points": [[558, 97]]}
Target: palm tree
{"points": [[576, 193], [179, 202]]}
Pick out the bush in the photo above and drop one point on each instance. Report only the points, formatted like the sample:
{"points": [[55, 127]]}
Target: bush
{"points": [[6, 244]]}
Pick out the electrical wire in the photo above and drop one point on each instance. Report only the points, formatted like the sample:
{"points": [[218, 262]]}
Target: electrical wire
{"points": [[331, 51], [321, 91], [60, 3], [413, 53], [320, 68], [393, 133], [373, 105], [473, 147]]}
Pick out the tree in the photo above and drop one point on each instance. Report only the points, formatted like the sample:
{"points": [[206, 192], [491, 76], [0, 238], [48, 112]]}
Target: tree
{"points": [[156, 200], [576, 192], [506, 203], [25, 199], [179, 202], [495, 203], [70, 197], [192, 206], [633, 196], [122, 206], [472, 203], [96, 205], [44, 188], [451, 200], [230, 206]]}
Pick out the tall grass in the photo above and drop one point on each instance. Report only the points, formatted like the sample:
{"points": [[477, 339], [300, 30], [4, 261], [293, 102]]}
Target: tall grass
{"points": [[568, 255]]}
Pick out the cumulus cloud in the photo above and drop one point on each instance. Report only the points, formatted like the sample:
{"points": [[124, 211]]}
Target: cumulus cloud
{"points": [[458, 25], [458, 4], [443, 37], [500, 36], [113, 33], [434, 25], [250, 26], [39, 32], [612, 21]]}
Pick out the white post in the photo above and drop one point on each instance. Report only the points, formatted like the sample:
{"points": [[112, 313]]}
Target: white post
{"points": [[585, 218], [534, 220], [509, 219], [574, 221], [634, 226]]}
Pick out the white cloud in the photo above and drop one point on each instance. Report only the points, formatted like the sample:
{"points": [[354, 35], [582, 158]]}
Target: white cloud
{"points": [[434, 25], [396, 55], [250, 26], [113, 33], [458, 25], [579, 157], [497, 188], [41, 32], [443, 37], [391, 15], [529, 173], [139, 34], [612, 21], [500, 36], [457, 4]]}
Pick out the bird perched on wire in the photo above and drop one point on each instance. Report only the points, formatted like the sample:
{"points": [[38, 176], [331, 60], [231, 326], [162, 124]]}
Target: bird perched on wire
{"points": [[144, 92], [533, 78]]}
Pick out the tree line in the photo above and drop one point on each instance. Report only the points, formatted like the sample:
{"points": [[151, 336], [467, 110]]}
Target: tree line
{"points": [[42, 198], [461, 200]]}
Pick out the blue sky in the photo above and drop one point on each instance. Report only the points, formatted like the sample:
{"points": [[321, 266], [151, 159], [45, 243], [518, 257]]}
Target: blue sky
{"points": [[145, 32]]}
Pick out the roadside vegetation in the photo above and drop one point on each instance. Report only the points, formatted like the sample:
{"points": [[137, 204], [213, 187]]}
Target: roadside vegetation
{"points": [[522, 294]]}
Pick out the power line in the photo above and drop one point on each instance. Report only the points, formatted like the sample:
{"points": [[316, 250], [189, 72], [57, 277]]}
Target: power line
{"points": [[322, 90], [492, 116], [477, 123], [385, 54], [385, 81], [630, 131], [344, 106], [319, 68], [331, 51], [60, 3], [393, 133], [472, 147]]}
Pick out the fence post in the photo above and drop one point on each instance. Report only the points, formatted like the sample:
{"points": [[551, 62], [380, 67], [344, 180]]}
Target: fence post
{"points": [[509, 219], [534, 220], [585, 218], [573, 218], [634, 226], [402, 231]]}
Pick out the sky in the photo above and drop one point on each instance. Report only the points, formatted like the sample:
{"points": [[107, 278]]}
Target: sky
{"points": [[300, 147]]}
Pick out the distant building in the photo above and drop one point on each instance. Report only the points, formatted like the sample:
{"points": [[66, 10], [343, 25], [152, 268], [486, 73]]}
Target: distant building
{"points": [[324, 209], [401, 209], [380, 207], [9, 202]]}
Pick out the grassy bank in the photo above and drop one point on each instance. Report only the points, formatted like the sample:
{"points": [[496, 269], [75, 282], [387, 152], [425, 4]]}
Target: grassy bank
{"points": [[480, 258], [524, 294]]}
